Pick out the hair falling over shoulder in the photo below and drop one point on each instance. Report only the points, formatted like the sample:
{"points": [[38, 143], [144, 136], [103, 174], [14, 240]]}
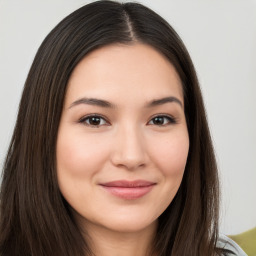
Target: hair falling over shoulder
{"points": [[35, 218]]}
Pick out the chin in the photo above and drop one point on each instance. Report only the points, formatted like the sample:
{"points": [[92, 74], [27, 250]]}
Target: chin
{"points": [[129, 225]]}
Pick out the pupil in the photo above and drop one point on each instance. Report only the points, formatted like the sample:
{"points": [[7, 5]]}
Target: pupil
{"points": [[94, 120], [158, 120]]}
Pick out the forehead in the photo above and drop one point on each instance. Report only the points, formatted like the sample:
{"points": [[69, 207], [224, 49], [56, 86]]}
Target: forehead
{"points": [[136, 70]]}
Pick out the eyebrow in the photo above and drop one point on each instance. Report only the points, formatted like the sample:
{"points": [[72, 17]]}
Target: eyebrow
{"points": [[162, 101], [107, 104], [93, 102]]}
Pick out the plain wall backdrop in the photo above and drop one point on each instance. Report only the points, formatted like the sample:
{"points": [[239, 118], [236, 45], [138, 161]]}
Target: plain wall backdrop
{"points": [[221, 38]]}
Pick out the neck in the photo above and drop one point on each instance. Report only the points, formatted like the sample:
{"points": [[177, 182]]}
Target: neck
{"points": [[105, 242]]}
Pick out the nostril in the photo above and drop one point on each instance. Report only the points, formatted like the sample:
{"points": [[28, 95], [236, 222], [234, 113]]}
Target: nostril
{"points": [[129, 159]]}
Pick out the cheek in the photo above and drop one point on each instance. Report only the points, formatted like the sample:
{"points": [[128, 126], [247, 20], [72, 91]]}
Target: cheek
{"points": [[79, 159], [79, 155], [170, 155]]}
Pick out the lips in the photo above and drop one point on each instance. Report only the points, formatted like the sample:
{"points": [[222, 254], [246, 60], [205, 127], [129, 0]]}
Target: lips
{"points": [[128, 189]]}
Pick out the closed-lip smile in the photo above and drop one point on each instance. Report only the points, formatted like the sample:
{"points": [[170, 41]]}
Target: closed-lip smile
{"points": [[128, 190]]}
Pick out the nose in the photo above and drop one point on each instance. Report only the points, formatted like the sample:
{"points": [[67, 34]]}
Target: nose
{"points": [[129, 149]]}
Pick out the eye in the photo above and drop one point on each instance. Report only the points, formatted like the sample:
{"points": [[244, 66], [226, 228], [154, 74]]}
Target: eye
{"points": [[93, 121], [162, 120]]}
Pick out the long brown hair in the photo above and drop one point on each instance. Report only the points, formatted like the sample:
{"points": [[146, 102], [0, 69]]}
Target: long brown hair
{"points": [[35, 219]]}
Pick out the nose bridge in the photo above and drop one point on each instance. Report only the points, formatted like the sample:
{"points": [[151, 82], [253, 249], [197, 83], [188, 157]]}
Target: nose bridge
{"points": [[129, 149]]}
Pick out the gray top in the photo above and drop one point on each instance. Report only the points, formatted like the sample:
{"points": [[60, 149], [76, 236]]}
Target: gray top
{"points": [[227, 243]]}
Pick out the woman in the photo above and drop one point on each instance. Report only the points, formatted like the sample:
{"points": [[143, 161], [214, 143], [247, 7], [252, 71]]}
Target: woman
{"points": [[111, 153]]}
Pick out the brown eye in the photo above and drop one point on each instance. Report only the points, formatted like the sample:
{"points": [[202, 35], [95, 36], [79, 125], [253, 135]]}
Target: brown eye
{"points": [[93, 121], [162, 120]]}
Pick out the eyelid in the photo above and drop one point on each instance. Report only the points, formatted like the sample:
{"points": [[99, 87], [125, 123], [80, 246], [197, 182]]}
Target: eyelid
{"points": [[82, 120], [172, 120]]}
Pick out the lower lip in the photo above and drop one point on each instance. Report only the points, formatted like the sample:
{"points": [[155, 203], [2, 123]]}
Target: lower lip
{"points": [[129, 193]]}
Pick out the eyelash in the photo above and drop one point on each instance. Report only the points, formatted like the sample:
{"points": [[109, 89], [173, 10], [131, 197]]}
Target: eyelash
{"points": [[90, 117], [83, 120], [170, 120]]}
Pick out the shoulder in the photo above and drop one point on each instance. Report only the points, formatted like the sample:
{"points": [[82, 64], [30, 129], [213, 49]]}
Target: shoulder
{"points": [[229, 244]]}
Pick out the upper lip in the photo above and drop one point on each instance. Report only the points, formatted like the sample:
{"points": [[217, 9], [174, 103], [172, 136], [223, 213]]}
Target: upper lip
{"points": [[128, 184]]}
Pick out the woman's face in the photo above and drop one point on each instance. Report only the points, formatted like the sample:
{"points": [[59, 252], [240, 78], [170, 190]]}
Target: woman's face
{"points": [[123, 141]]}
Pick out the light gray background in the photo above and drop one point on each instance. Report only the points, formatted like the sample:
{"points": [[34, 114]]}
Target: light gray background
{"points": [[221, 38]]}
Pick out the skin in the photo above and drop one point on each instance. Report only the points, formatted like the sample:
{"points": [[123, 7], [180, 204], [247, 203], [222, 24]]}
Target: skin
{"points": [[127, 143]]}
